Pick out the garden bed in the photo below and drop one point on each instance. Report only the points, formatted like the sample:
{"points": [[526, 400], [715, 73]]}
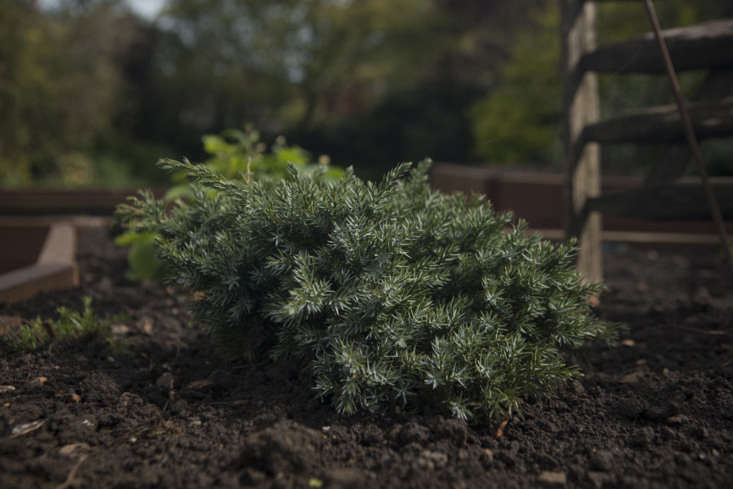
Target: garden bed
{"points": [[163, 411], [36, 257]]}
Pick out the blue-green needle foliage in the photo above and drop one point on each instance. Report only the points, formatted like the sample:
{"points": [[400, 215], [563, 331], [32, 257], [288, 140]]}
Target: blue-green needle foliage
{"points": [[393, 293]]}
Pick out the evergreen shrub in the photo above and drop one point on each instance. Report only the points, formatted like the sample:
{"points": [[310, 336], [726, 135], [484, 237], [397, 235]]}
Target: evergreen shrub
{"points": [[389, 292]]}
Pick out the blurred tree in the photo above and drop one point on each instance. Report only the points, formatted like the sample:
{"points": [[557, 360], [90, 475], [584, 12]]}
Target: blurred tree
{"points": [[59, 82], [86, 85], [281, 62], [317, 69], [424, 110], [408, 125], [518, 121]]}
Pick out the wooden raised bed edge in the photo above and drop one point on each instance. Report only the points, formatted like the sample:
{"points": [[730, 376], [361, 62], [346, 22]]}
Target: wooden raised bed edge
{"points": [[54, 269], [540, 199], [78, 202]]}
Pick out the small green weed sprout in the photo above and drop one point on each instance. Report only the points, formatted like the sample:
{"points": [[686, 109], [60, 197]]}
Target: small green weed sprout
{"points": [[391, 293], [68, 326]]}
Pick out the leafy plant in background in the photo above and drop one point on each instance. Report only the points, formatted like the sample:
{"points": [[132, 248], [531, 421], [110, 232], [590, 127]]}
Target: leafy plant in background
{"points": [[237, 154], [234, 154], [390, 293]]}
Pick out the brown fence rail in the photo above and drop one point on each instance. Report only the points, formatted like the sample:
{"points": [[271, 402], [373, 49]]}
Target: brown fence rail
{"points": [[537, 197], [42, 202], [540, 198]]}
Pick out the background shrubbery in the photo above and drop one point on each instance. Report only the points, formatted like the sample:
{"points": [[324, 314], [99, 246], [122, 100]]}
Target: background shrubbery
{"points": [[93, 94], [390, 293]]}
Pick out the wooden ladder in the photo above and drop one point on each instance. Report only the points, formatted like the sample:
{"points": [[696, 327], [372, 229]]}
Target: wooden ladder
{"points": [[664, 195]]}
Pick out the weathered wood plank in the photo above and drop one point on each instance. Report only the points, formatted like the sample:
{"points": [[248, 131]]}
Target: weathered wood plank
{"points": [[662, 124], [702, 46], [29, 202], [60, 245], [582, 107], [26, 282], [54, 269], [716, 86], [681, 201], [642, 238], [451, 178]]}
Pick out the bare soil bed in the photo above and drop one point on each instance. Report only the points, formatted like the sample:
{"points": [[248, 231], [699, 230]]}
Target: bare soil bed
{"points": [[166, 412]]}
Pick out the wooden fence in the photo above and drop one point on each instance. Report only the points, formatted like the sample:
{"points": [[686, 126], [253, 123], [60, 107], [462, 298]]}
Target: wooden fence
{"points": [[663, 194]]}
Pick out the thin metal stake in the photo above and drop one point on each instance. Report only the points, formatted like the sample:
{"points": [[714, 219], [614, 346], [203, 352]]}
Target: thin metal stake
{"points": [[690, 132]]}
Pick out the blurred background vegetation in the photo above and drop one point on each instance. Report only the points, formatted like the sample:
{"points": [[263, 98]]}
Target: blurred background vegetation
{"points": [[93, 92]]}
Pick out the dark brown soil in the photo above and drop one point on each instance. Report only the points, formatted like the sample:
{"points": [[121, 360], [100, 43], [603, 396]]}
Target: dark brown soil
{"points": [[654, 412]]}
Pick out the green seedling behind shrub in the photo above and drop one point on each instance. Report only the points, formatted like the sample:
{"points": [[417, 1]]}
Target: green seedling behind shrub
{"points": [[234, 154], [142, 261], [390, 293], [68, 326]]}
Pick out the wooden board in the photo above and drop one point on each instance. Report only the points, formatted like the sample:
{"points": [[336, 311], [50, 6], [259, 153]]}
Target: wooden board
{"points": [[583, 161], [54, 269], [639, 238], [662, 124], [681, 201], [26, 282], [707, 45], [540, 197], [33, 202]]}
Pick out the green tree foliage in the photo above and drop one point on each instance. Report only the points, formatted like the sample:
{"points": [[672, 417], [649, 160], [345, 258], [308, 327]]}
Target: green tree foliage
{"points": [[390, 293], [286, 61], [59, 83], [327, 71], [518, 121], [426, 120]]}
